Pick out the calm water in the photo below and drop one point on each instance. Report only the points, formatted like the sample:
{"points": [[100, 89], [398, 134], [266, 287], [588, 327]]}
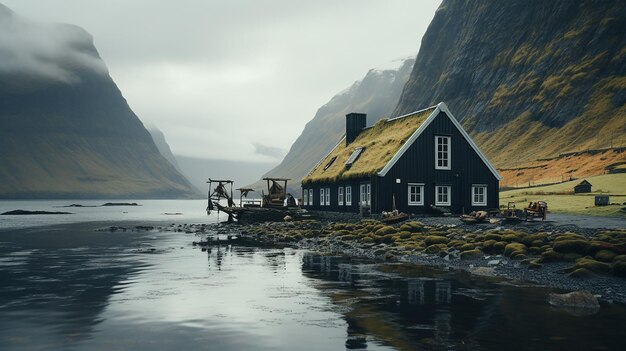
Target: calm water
{"points": [[68, 287]]}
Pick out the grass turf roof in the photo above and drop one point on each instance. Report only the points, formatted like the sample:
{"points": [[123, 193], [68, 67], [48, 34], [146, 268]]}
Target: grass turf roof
{"points": [[381, 142]]}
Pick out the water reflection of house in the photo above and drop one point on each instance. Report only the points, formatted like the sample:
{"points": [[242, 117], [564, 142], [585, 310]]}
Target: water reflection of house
{"points": [[405, 313]]}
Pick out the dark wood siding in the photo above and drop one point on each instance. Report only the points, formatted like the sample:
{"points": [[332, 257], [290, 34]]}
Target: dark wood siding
{"points": [[334, 195], [417, 165]]}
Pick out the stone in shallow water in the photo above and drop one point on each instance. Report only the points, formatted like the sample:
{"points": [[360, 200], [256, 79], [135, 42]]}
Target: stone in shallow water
{"points": [[578, 299]]}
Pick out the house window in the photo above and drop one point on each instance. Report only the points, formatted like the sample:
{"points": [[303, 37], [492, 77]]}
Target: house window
{"points": [[442, 152], [365, 194], [348, 196], [340, 196], [479, 195], [416, 194], [327, 196], [442, 195], [311, 197], [322, 196], [305, 196]]}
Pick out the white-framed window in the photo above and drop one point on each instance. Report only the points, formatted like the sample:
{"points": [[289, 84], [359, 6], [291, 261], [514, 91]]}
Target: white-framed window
{"points": [[443, 193], [416, 194], [365, 194], [340, 196], [479, 195], [327, 196], [442, 152], [348, 196], [311, 197], [322, 197], [305, 196]]}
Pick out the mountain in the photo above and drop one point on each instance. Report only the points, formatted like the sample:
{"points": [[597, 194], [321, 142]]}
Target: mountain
{"points": [[198, 170], [164, 148], [529, 79], [376, 94], [66, 131]]}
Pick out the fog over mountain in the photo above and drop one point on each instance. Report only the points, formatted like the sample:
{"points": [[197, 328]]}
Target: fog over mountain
{"points": [[376, 94], [66, 131]]}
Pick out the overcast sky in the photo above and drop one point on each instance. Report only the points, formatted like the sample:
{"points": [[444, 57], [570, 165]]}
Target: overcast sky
{"points": [[238, 79]]}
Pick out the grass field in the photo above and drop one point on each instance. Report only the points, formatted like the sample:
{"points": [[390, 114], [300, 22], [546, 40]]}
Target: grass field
{"points": [[561, 197]]}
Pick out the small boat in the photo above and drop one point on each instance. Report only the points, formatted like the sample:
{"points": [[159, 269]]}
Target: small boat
{"points": [[474, 217], [391, 217]]}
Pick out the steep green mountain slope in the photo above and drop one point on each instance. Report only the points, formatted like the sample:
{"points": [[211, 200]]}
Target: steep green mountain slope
{"points": [[65, 128], [529, 79], [376, 94]]}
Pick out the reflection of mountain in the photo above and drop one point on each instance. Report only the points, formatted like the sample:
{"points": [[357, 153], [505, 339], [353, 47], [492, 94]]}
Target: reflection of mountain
{"points": [[55, 289]]}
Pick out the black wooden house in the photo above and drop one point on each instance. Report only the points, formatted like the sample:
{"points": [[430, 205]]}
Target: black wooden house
{"points": [[414, 161], [582, 187]]}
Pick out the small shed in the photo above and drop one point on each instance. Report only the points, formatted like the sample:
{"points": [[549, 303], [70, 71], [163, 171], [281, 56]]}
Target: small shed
{"points": [[582, 187], [602, 200]]}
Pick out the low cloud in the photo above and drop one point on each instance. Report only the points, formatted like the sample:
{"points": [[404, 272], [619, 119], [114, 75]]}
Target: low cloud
{"points": [[45, 50], [270, 151]]}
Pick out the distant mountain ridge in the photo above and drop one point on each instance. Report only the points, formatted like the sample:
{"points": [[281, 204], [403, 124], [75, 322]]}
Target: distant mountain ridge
{"points": [[66, 131], [529, 79], [376, 94]]}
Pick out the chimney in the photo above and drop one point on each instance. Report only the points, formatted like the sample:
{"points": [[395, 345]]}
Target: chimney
{"points": [[355, 122]]}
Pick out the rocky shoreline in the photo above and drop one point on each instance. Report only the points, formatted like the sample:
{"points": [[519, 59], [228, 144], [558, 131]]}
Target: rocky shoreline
{"points": [[563, 257], [559, 256]]}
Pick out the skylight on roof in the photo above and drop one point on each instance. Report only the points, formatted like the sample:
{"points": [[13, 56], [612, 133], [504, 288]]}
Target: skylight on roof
{"points": [[355, 155], [330, 163]]}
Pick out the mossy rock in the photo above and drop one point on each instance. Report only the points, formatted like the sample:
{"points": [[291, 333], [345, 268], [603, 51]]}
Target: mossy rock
{"points": [[436, 233], [576, 246], [493, 236], [582, 273], [569, 236], [514, 248], [388, 239], [367, 239], [412, 227], [518, 255], [433, 239], [551, 256], [347, 238], [571, 257], [597, 245], [533, 250], [593, 265], [404, 234], [456, 243], [467, 247], [510, 237], [499, 246], [341, 232], [386, 230], [488, 244], [435, 248], [605, 255], [619, 269], [620, 258], [469, 254]]}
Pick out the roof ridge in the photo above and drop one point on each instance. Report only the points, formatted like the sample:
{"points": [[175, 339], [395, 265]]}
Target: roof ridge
{"points": [[412, 113]]}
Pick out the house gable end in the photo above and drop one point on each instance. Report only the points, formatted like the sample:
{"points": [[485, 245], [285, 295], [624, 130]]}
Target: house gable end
{"points": [[441, 107]]}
